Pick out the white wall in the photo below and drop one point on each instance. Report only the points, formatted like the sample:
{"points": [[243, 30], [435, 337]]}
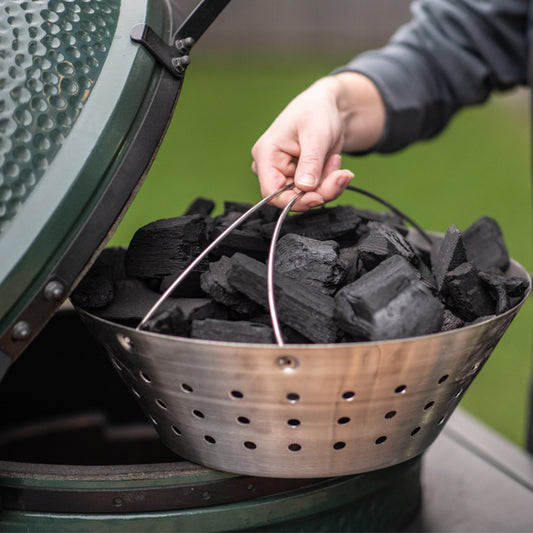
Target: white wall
{"points": [[303, 24]]}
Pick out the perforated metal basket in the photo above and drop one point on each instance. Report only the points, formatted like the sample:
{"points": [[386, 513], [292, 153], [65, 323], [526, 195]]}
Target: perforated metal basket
{"points": [[300, 410]]}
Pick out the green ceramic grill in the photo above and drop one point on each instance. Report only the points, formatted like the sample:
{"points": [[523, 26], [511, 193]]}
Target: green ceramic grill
{"points": [[87, 88]]}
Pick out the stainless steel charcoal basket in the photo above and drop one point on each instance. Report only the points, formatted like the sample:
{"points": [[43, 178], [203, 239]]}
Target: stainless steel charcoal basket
{"points": [[300, 410]]}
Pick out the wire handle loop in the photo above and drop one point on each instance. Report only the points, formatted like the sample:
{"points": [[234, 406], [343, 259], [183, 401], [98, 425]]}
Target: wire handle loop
{"points": [[270, 270], [198, 259]]}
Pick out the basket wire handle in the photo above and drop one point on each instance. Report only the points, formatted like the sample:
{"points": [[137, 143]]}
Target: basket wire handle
{"points": [[197, 260], [270, 270]]}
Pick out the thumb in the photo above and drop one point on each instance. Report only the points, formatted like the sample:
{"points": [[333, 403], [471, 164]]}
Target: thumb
{"points": [[310, 167]]}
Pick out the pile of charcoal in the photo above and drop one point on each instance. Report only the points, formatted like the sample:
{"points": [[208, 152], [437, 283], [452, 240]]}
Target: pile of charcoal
{"points": [[342, 274]]}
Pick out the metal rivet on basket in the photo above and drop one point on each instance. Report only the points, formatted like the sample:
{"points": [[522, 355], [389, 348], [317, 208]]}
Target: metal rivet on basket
{"points": [[287, 363], [251, 487], [125, 342], [54, 291], [206, 495], [117, 502]]}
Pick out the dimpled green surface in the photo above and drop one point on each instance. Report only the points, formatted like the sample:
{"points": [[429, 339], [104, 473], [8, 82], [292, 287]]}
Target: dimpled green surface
{"points": [[51, 54]]}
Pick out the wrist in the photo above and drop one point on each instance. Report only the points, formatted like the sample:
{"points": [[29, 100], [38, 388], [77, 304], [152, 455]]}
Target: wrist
{"points": [[361, 110]]}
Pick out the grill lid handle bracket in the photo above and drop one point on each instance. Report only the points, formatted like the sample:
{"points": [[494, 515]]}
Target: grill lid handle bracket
{"points": [[174, 57]]}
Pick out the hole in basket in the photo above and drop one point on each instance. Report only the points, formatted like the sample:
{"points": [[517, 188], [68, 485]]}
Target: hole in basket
{"points": [[243, 420], [176, 430], [161, 404], [250, 445], [401, 389], [475, 367], [293, 397], [339, 445], [390, 414], [381, 440], [343, 420], [293, 422], [294, 447], [135, 392], [237, 394], [145, 377], [442, 420], [209, 439], [348, 395], [117, 365], [443, 379], [458, 393], [198, 414], [415, 431], [429, 405], [154, 421], [186, 388]]}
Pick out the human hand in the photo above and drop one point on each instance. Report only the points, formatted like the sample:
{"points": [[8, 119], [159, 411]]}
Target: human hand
{"points": [[338, 113]]}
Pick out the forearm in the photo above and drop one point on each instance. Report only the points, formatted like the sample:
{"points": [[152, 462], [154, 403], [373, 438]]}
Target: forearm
{"points": [[453, 53]]}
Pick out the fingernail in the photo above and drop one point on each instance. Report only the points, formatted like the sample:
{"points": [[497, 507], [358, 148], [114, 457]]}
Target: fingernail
{"points": [[345, 178], [307, 180], [314, 203]]}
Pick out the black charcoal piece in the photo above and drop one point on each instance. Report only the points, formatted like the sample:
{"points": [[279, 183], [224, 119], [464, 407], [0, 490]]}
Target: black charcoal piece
{"points": [[215, 283], [485, 246], [96, 287], [200, 206], [310, 261], [322, 224], [247, 238], [448, 254], [382, 242], [349, 259], [166, 247], [289, 335], [200, 308], [225, 331], [299, 306], [131, 302], [451, 321], [505, 291], [190, 287], [466, 294], [94, 290], [169, 322], [388, 302]]}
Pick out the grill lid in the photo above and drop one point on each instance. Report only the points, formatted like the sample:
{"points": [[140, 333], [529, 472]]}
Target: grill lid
{"points": [[83, 109]]}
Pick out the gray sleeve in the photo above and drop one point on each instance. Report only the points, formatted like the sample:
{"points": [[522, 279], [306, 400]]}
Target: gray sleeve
{"points": [[453, 53]]}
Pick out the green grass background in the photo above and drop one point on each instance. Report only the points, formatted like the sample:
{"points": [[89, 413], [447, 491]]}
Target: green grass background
{"points": [[479, 166]]}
